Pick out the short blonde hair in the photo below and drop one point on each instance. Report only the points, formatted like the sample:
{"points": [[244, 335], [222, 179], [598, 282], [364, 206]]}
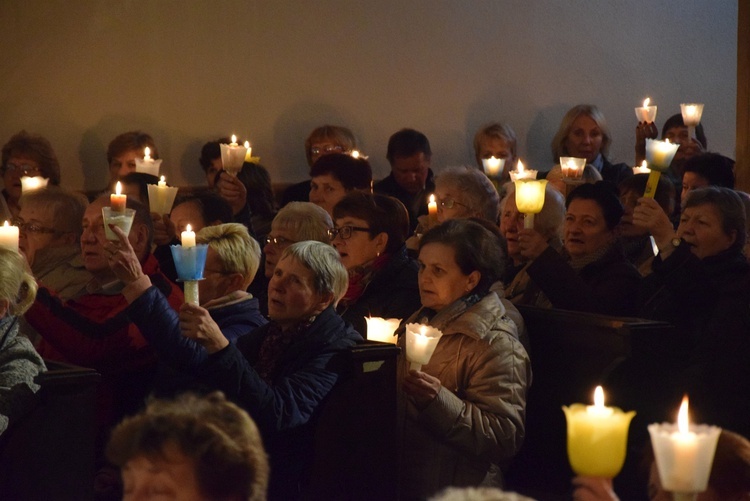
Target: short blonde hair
{"points": [[306, 220], [496, 130], [591, 111], [238, 251], [17, 284], [66, 207]]}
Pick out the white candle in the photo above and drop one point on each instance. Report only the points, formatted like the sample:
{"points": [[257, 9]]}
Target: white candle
{"points": [[29, 183], [643, 169], [493, 167], [382, 329], [522, 173], [659, 154], [162, 182], [646, 113], [572, 167], [188, 237], [432, 207], [147, 165], [234, 141], [421, 341], [118, 201], [9, 236], [249, 154], [691, 113], [232, 156]]}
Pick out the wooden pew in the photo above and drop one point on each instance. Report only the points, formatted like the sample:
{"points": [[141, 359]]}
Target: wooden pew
{"points": [[50, 454]]}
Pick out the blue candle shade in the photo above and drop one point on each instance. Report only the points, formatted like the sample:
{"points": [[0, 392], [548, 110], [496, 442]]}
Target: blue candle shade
{"points": [[189, 261]]}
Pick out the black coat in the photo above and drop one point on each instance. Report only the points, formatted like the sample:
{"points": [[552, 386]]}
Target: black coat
{"points": [[416, 204]]}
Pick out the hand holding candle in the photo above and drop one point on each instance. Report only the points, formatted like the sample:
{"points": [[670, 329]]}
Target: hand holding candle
{"points": [[232, 156]]}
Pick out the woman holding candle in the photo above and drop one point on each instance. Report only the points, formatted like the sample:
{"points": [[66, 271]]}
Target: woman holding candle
{"points": [[369, 234], [464, 410], [583, 133], [496, 140]]}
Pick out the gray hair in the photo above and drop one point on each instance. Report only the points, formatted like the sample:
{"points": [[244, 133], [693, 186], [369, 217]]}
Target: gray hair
{"points": [[477, 494], [478, 191], [729, 205], [549, 222], [306, 220], [325, 263], [66, 207]]}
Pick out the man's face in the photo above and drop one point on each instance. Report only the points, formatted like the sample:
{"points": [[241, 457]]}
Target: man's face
{"points": [[411, 172], [93, 238]]}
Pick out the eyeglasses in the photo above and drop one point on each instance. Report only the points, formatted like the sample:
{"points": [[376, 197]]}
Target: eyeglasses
{"points": [[345, 232], [448, 203], [22, 168], [315, 150], [279, 241], [32, 227]]}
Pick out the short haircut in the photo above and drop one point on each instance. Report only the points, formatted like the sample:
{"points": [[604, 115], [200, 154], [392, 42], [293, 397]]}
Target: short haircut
{"points": [[142, 180], [17, 284], [66, 207], [717, 169], [496, 130], [478, 191], [676, 121], [549, 222], [306, 220], [406, 143], [133, 140], [237, 250], [591, 111], [211, 206], [219, 437], [730, 207], [665, 191], [36, 147], [323, 260], [257, 181], [476, 249], [605, 196], [340, 136], [352, 173], [211, 151], [382, 213]]}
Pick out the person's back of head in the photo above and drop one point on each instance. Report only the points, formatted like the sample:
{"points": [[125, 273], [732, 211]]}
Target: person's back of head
{"points": [[17, 285], [136, 184], [305, 220], [260, 196], [353, 173], [213, 208], [717, 169], [406, 143], [237, 250], [636, 186]]}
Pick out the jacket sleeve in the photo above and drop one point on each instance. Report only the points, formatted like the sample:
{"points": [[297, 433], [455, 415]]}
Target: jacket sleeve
{"points": [[487, 420], [19, 363]]}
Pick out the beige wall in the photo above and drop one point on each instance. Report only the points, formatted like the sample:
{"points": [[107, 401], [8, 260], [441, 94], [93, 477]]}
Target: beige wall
{"points": [[81, 71]]}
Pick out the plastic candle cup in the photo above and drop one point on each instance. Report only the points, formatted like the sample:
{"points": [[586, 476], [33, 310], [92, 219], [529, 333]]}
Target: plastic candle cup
{"points": [[597, 437], [646, 113], [123, 220], [9, 236], [572, 168], [161, 197], [530, 199], [522, 172], [493, 167], [382, 329], [147, 165], [421, 341], [232, 156], [189, 262], [29, 183], [691, 116], [659, 155]]}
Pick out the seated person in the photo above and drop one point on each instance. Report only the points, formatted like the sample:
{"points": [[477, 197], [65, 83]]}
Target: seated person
{"points": [[323, 140], [707, 169], [122, 152], [337, 174], [19, 361], [496, 140], [135, 184], [25, 155], [591, 274], [281, 373], [369, 236], [190, 448]]}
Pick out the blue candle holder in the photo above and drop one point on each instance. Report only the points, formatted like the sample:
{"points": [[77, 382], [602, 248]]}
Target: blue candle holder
{"points": [[190, 262]]}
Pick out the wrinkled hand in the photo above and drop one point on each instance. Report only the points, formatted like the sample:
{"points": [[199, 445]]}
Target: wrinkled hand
{"points": [[648, 214], [121, 257], [232, 190], [643, 131], [531, 243], [164, 229], [593, 489], [196, 323], [422, 387]]}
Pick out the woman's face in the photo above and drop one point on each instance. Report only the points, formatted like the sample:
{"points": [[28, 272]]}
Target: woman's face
{"points": [[123, 164], [495, 147], [692, 181], [279, 239], [701, 228], [585, 229], [360, 247], [37, 231], [171, 476], [292, 297], [452, 203], [511, 221], [17, 167], [326, 191], [441, 281], [584, 139]]}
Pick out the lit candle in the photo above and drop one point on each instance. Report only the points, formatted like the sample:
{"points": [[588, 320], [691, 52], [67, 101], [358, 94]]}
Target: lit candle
{"points": [[382, 329], [646, 113], [147, 165], [493, 167], [9, 236], [643, 169], [421, 341], [597, 437], [249, 153], [234, 141], [530, 199], [29, 183], [691, 113], [659, 155], [522, 173], [188, 237], [684, 453], [355, 153], [162, 182], [232, 156], [118, 201], [572, 167], [161, 197], [432, 207]]}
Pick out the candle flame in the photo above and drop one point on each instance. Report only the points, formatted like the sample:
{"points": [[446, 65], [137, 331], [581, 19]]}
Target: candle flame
{"points": [[355, 153], [520, 167], [646, 102], [644, 165], [666, 140], [599, 397], [118, 188], [163, 179], [247, 144], [6, 224], [188, 228], [234, 139], [682, 416], [432, 199], [147, 153], [691, 109]]}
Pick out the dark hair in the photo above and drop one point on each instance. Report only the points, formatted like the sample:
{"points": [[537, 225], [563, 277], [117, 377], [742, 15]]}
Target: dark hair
{"points": [[730, 206], [257, 181], [211, 206], [605, 195], [383, 214], [407, 142], [133, 140], [37, 148], [220, 438], [142, 180], [476, 249], [717, 169], [211, 151], [676, 121], [341, 136], [665, 191], [353, 173]]}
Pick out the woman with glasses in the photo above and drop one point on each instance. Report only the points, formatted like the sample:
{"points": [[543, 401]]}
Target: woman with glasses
{"points": [[369, 236], [25, 155]]}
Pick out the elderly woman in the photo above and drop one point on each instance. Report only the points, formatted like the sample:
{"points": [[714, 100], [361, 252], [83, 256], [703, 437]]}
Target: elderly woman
{"points": [[583, 133], [190, 448], [19, 361], [465, 409], [25, 155], [337, 174], [496, 140], [369, 235], [591, 274]]}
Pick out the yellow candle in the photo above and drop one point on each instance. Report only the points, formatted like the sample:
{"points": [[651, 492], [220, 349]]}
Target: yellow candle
{"points": [[432, 207], [597, 437], [118, 201], [9, 236], [249, 153], [188, 237], [382, 329]]}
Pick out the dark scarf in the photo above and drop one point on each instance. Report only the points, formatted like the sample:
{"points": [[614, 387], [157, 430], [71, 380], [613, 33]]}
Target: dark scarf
{"points": [[360, 277], [273, 347]]}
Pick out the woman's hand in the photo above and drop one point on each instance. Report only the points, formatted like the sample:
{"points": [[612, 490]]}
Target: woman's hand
{"points": [[196, 323], [593, 489], [648, 214], [531, 243], [422, 387], [232, 190], [643, 131], [121, 257], [164, 229]]}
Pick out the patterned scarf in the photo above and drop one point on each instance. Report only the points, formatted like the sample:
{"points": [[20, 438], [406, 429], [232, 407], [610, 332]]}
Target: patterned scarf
{"points": [[360, 277], [274, 346]]}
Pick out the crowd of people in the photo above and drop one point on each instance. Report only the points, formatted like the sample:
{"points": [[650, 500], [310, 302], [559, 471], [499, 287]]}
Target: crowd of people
{"points": [[220, 399]]}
